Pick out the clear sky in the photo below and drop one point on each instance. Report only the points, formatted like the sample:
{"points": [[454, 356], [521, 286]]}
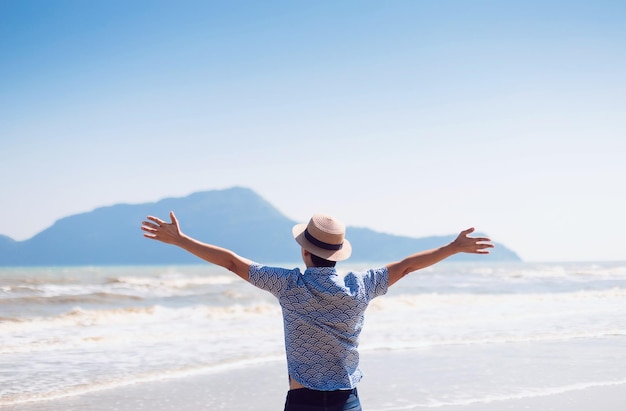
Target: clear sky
{"points": [[408, 117]]}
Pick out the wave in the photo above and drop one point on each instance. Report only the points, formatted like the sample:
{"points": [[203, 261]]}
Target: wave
{"points": [[136, 286], [96, 297], [435, 299], [118, 287], [174, 281], [111, 316], [388, 344], [233, 304], [544, 270], [50, 332]]}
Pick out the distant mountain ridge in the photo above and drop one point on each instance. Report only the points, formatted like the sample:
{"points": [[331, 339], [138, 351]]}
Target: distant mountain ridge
{"points": [[235, 218]]}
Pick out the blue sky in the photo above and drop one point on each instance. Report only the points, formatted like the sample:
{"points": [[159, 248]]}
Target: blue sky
{"points": [[407, 117]]}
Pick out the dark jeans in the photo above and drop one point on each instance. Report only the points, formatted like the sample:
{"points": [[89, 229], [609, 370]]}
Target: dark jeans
{"points": [[304, 399]]}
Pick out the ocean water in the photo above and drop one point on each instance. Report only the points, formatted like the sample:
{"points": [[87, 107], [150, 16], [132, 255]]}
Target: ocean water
{"points": [[470, 333]]}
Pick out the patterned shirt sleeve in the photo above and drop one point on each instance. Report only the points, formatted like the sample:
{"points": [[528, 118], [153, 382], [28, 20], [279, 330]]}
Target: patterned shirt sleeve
{"points": [[376, 282], [272, 279]]}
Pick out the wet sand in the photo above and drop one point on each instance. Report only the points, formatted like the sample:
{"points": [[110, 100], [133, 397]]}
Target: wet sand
{"points": [[262, 387]]}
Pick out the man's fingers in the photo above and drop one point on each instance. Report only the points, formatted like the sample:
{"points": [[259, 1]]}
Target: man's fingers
{"points": [[148, 227], [156, 220], [173, 218], [160, 222], [482, 248], [468, 231]]}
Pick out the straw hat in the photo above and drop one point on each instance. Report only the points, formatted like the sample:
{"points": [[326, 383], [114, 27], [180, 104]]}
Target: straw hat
{"points": [[323, 236]]}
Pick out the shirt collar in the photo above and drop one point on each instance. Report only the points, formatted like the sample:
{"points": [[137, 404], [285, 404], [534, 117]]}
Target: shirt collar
{"points": [[321, 270]]}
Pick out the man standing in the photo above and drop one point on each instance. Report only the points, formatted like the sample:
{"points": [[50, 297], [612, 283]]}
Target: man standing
{"points": [[323, 311]]}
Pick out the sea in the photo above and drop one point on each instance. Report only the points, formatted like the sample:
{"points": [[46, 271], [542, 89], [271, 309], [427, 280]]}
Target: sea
{"points": [[478, 331]]}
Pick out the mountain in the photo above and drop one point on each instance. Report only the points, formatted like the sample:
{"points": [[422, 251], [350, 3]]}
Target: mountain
{"points": [[4, 240], [235, 218]]}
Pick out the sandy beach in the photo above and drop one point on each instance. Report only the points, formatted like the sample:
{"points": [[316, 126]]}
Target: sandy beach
{"points": [[455, 338], [387, 387]]}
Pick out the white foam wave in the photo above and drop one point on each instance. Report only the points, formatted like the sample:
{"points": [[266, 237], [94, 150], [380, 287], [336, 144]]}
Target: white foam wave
{"points": [[176, 281], [136, 286], [416, 321], [604, 270], [35, 334], [115, 316], [487, 340], [432, 301]]}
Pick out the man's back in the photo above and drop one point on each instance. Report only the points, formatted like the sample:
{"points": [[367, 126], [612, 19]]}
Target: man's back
{"points": [[323, 316]]}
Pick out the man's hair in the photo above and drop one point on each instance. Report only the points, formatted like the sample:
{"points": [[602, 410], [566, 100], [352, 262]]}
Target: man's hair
{"points": [[321, 262]]}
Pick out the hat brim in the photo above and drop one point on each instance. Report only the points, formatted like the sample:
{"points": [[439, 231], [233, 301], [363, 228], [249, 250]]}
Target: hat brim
{"points": [[330, 255]]}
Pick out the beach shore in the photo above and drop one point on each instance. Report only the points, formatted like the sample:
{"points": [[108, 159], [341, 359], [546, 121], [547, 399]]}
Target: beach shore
{"points": [[388, 386], [610, 398]]}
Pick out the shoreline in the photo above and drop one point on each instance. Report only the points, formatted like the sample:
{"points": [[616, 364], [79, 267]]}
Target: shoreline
{"points": [[605, 398], [388, 386], [211, 390]]}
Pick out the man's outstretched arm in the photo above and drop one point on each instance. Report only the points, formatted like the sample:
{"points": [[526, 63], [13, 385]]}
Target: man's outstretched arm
{"points": [[170, 233], [462, 244]]}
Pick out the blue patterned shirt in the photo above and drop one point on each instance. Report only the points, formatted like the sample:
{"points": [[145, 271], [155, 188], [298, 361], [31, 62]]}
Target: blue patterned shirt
{"points": [[323, 316]]}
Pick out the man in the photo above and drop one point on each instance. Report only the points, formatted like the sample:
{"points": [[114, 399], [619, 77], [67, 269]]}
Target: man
{"points": [[322, 311]]}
